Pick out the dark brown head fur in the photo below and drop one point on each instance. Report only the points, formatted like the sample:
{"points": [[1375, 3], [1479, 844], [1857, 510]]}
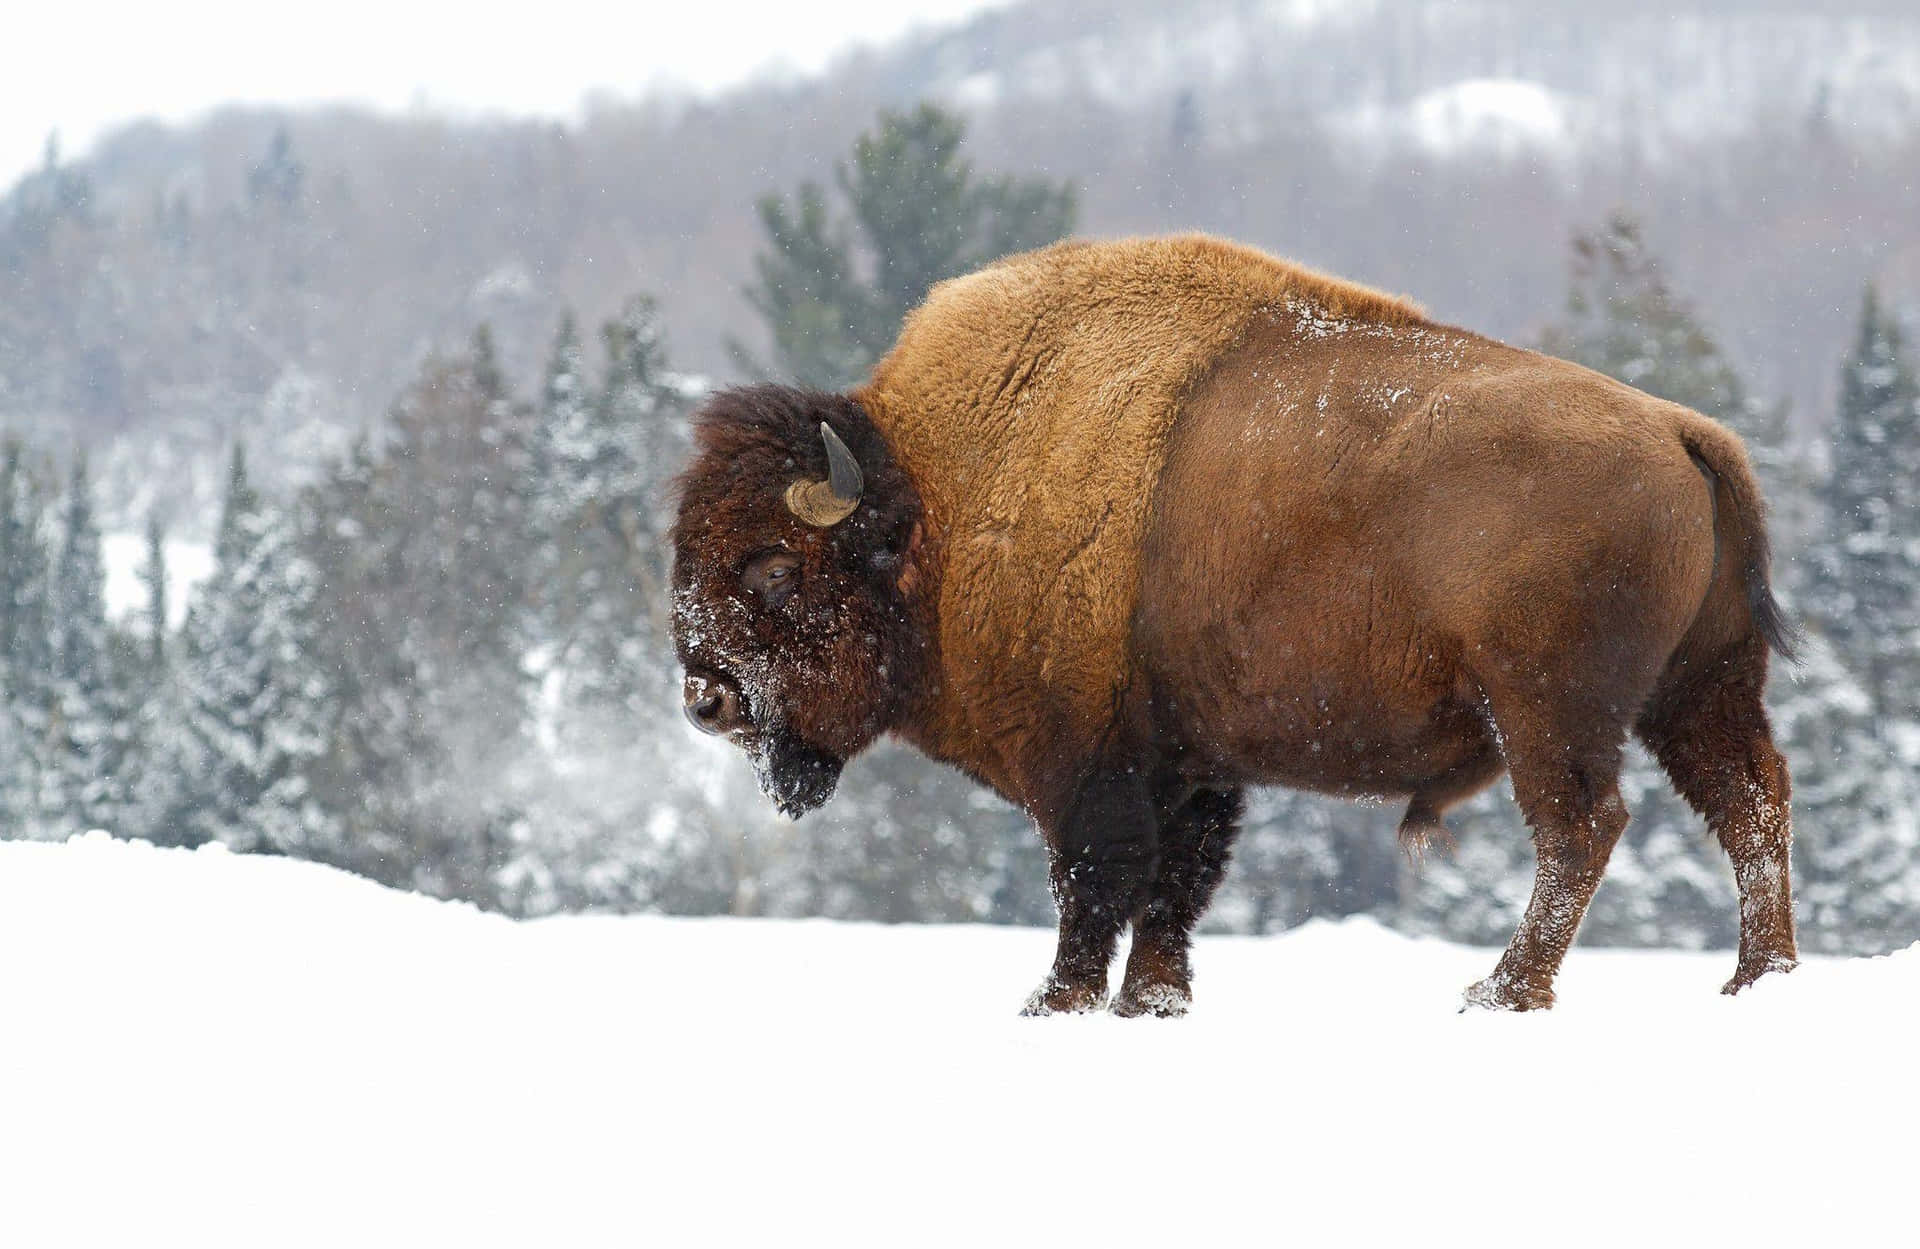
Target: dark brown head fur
{"points": [[825, 664]]}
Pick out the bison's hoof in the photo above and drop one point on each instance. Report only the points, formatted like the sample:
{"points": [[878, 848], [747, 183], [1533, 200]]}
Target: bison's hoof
{"points": [[1751, 970], [1055, 997], [1497, 992], [1164, 1001]]}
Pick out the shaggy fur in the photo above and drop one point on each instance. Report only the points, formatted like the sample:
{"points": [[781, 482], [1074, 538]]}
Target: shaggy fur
{"points": [[848, 628], [1032, 403], [1151, 521]]}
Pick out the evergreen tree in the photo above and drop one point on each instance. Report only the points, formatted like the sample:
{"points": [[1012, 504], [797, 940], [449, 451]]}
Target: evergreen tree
{"points": [[428, 555], [154, 789], [641, 420], [240, 501], [279, 179], [1856, 806], [26, 660], [1623, 320], [601, 503], [614, 820], [565, 445], [1851, 723], [253, 693], [366, 773], [87, 728], [919, 213], [79, 585], [24, 638], [1864, 590], [153, 577]]}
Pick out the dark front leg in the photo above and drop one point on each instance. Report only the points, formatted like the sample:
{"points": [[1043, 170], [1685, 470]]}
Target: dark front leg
{"points": [[1104, 854], [1195, 841]]}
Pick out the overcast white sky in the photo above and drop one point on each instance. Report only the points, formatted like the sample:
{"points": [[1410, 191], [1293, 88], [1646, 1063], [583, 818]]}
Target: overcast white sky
{"points": [[80, 67]]}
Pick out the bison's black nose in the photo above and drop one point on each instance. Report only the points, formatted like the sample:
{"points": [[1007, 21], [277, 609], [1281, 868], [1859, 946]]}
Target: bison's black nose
{"points": [[713, 705]]}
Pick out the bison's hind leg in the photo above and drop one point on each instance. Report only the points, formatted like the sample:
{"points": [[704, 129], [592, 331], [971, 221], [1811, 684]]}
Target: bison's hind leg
{"points": [[1195, 841], [1709, 731], [1565, 759]]}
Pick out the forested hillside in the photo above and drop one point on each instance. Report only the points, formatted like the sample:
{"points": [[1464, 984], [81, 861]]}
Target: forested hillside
{"points": [[279, 275]]}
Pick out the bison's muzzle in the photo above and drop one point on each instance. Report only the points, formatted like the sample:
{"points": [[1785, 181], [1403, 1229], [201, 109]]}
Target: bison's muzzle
{"points": [[797, 776], [714, 705]]}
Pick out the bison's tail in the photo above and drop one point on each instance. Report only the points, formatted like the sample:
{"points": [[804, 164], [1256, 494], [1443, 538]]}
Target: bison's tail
{"points": [[1740, 523]]}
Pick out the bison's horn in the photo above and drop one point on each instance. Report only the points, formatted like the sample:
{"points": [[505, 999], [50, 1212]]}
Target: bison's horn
{"points": [[829, 502]]}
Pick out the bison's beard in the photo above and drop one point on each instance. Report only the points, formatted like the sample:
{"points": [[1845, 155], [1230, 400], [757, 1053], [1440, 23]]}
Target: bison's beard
{"points": [[795, 775]]}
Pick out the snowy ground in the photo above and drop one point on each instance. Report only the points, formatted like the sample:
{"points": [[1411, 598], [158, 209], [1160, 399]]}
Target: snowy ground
{"points": [[204, 1049]]}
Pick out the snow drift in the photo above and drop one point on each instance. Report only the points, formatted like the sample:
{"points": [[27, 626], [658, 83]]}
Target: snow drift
{"points": [[211, 1049]]}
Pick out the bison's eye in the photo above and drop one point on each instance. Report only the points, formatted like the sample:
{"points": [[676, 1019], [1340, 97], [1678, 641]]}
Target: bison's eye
{"points": [[772, 576]]}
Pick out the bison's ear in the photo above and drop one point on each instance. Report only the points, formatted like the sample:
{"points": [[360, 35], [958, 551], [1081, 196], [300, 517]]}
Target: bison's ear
{"points": [[910, 565], [827, 503]]}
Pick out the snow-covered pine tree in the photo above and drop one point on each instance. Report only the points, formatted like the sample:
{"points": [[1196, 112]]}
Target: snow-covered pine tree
{"points": [[639, 439], [1856, 809], [354, 527], [1623, 319], [564, 443], [153, 579], [26, 659], [151, 780], [427, 554], [607, 506], [1852, 719], [594, 508], [833, 292], [87, 729], [620, 817], [254, 696], [279, 179], [1863, 592]]}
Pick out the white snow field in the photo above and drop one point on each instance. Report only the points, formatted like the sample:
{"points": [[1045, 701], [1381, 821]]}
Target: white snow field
{"points": [[206, 1049]]}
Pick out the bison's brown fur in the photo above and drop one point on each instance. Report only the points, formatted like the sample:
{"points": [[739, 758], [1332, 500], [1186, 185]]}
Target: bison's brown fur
{"points": [[1157, 519], [1033, 403]]}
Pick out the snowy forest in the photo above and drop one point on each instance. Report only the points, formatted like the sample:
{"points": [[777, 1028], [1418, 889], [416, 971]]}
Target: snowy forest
{"points": [[436, 654]]}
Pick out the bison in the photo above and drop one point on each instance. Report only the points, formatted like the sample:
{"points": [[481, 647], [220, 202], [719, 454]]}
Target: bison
{"points": [[1122, 528]]}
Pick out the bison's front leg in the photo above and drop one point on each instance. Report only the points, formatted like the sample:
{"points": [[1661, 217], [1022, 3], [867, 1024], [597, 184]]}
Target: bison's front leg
{"points": [[1195, 840], [1104, 852]]}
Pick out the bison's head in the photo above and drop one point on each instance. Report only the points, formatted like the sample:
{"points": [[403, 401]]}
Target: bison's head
{"points": [[794, 599]]}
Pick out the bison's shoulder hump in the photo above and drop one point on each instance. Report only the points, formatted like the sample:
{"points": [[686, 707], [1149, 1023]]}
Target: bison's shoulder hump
{"points": [[1204, 275], [1032, 403]]}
